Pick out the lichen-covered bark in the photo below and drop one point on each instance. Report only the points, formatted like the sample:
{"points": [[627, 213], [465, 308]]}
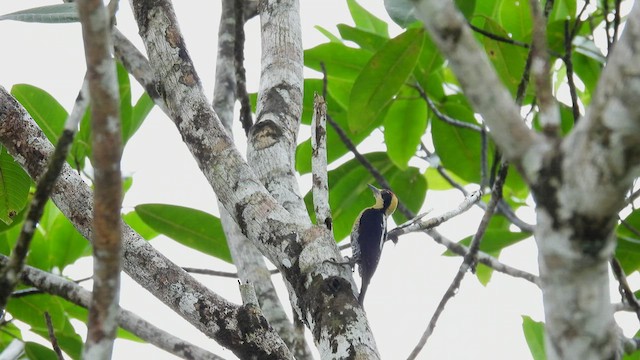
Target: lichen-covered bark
{"points": [[286, 238], [207, 311], [246, 257], [578, 182]]}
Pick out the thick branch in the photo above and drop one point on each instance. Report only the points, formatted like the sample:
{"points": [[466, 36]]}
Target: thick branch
{"points": [[207, 311], [129, 321], [272, 140], [249, 261], [298, 249]]}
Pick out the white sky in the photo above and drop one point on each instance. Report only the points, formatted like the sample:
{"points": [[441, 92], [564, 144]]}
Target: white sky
{"points": [[480, 322]]}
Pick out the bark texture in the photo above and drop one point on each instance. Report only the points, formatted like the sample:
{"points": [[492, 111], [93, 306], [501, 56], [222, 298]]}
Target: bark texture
{"points": [[318, 289], [107, 151], [578, 182], [238, 328]]}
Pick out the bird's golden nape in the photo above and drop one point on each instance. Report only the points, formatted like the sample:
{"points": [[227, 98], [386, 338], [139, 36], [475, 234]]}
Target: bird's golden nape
{"points": [[389, 201]]}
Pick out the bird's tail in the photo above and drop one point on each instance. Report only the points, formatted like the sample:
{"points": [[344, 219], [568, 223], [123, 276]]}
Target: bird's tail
{"points": [[363, 290]]}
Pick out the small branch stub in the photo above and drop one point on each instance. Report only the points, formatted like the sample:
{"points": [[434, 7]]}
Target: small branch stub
{"points": [[320, 185]]}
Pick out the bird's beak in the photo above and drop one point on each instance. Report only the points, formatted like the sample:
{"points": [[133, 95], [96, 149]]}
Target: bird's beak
{"points": [[375, 190]]}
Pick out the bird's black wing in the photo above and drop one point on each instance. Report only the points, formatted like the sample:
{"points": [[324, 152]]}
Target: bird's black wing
{"points": [[371, 230]]}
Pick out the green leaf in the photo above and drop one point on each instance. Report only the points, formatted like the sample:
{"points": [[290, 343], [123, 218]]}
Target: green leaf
{"points": [[66, 244], [340, 61], [508, 60], [82, 314], [563, 10], [30, 310], [484, 273], [459, 149], [124, 88], [636, 354], [81, 148], [40, 352], [587, 69], [404, 125], [364, 39], [328, 34], [628, 245], [366, 20], [410, 187], [486, 9], [141, 110], [466, 7], [383, 77], [70, 342], [400, 11], [515, 18], [14, 187], [190, 227], [340, 91], [9, 332], [437, 182], [349, 193], [429, 61], [51, 14], [133, 219], [494, 240], [534, 334], [43, 108]]}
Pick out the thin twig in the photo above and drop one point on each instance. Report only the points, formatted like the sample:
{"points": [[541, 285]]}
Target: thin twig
{"points": [[568, 62], [541, 69], [499, 38], [431, 223], [576, 25], [241, 81], [224, 274], [623, 287], [484, 258], [445, 118], [52, 336], [629, 227], [607, 26], [469, 261], [616, 21], [484, 159], [509, 41], [631, 198]]}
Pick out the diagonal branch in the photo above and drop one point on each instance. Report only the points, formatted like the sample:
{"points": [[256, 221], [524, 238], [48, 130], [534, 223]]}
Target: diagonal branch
{"points": [[129, 321], [285, 236], [469, 261], [149, 268]]}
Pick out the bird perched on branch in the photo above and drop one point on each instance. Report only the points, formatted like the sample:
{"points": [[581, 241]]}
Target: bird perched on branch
{"points": [[369, 234]]}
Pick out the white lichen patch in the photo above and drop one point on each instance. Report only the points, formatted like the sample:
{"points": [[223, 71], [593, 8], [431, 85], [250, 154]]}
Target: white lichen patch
{"points": [[188, 301]]}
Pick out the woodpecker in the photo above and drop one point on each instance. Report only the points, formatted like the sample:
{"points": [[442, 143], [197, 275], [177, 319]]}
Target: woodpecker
{"points": [[369, 234]]}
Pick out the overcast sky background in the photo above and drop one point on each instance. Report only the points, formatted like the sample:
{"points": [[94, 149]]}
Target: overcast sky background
{"points": [[480, 322]]}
